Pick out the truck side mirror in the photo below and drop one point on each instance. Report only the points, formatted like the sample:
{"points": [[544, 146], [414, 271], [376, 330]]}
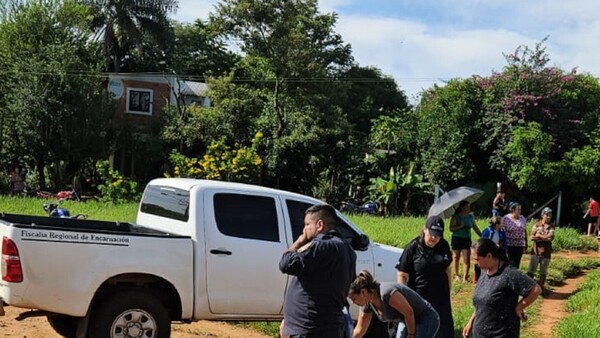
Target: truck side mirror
{"points": [[362, 243]]}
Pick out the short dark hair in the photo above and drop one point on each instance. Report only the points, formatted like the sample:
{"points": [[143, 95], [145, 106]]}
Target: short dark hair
{"points": [[325, 212]]}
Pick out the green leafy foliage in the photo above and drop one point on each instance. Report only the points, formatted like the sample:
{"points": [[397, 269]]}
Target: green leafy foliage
{"points": [[194, 54], [114, 187], [528, 90], [57, 112], [402, 184], [582, 166], [292, 60], [569, 239], [370, 95], [529, 151], [221, 162], [123, 25], [449, 134]]}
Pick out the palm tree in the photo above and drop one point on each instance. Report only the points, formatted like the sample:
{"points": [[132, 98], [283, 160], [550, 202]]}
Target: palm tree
{"points": [[123, 25]]}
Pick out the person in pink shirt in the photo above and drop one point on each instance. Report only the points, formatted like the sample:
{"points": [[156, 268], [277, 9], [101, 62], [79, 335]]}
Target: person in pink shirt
{"points": [[593, 212], [515, 226]]}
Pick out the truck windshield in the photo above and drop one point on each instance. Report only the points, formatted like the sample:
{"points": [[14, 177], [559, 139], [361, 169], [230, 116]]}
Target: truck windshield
{"points": [[166, 202]]}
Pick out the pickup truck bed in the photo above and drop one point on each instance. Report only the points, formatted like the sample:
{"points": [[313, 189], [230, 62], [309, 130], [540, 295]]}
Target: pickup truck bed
{"points": [[69, 267], [71, 224]]}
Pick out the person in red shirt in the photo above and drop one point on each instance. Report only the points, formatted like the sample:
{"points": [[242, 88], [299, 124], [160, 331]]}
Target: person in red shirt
{"points": [[593, 212]]}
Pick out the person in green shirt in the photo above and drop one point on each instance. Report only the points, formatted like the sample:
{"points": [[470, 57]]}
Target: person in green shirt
{"points": [[461, 224]]}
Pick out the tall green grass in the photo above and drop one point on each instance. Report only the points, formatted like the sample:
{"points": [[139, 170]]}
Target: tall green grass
{"points": [[566, 239], [394, 231], [398, 231], [125, 212]]}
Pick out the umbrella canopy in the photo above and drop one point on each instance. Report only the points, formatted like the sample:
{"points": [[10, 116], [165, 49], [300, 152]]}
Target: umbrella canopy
{"points": [[448, 202]]}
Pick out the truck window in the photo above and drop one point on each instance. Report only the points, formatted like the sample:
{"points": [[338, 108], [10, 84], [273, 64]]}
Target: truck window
{"points": [[296, 211], [166, 202], [246, 216]]}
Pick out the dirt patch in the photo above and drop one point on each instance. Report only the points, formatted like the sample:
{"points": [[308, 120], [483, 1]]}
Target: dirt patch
{"points": [[576, 254], [552, 309], [38, 327]]}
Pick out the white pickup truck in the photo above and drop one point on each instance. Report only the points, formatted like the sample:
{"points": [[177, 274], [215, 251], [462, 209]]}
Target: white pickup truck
{"points": [[199, 250]]}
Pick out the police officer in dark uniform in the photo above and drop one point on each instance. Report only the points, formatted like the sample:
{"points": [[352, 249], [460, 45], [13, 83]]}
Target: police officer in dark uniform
{"points": [[425, 267], [322, 265]]}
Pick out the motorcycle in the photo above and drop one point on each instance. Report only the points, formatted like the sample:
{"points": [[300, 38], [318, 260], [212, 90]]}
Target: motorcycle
{"points": [[63, 194], [55, 210], [371, 208]]}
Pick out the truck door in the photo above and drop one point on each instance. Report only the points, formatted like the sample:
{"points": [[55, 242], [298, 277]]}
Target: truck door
{"points": [[245, 239]]}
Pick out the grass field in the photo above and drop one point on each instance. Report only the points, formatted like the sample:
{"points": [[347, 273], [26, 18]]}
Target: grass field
{"points": [[93, 209], [398, 231]]}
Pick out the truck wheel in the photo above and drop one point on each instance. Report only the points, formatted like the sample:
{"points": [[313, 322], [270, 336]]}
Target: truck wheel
{"points": [[130, 314], [65, 326]]}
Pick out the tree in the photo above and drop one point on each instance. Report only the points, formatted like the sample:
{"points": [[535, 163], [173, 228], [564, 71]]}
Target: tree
{"points": [[232, 117], [536, 114], [292, 59], [56, 108], [9, 7], [369, 95], [122, 26], [199, 52], [196, 54], [449, 132], [529, 151]]}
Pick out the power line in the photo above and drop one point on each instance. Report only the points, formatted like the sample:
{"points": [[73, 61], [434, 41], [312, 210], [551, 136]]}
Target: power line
{"points": [[192, 77]]}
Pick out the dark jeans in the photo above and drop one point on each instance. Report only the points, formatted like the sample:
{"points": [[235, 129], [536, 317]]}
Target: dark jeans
{"points": [[446, 329], [333, 333], [427, 325], [514, 255]]}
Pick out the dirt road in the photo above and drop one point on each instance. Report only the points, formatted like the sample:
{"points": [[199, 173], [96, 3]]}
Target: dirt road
{"points": [[38, 327]]}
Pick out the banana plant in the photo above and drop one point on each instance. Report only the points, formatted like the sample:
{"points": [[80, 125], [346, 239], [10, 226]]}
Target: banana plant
{"points": [[400, 184]]}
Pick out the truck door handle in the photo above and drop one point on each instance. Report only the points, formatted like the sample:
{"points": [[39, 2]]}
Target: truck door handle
{"points": [[220, 252]]}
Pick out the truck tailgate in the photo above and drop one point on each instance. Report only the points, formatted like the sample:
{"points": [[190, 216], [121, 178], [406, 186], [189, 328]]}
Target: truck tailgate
{"points": [[62, 268]]}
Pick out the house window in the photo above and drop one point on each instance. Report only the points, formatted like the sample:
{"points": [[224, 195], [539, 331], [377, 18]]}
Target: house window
{"points": [[139, 101]]}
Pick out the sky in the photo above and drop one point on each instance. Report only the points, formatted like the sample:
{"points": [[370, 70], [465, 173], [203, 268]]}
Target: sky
{"points": [[425, 42]]}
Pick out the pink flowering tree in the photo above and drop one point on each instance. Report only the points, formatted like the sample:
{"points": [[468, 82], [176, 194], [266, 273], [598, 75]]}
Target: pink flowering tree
{"points": [[536, 116], [532, 124]]}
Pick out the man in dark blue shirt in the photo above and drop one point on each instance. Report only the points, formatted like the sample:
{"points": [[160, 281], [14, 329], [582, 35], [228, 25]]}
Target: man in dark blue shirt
{"points": [[322, 265]]}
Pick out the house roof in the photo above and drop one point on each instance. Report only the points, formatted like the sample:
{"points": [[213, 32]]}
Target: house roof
{"points": [[193, 88]]}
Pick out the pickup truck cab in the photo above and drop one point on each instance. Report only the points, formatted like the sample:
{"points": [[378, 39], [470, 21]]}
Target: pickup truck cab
{"points": [[199, 249]]}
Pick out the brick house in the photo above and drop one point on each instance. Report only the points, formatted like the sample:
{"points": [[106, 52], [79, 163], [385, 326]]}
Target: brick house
{"points": [[141, 99]]}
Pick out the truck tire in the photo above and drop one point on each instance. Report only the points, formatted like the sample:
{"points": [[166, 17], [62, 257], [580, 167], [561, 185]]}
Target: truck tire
{"points": [[130, 314], [65, 326]]}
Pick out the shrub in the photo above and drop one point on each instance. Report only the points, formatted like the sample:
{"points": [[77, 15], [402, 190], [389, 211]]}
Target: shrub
{"points": [[114, 187], [221, 162]]}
